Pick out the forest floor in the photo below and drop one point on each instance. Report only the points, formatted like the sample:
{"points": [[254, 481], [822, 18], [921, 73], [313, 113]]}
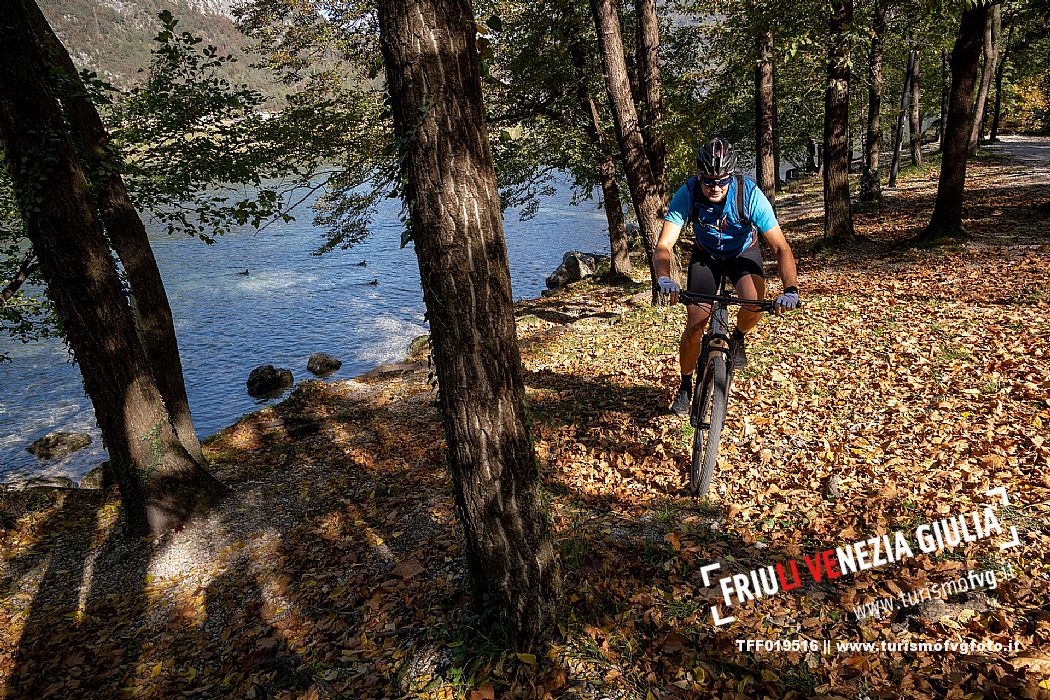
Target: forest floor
{"points": [[913, 382]]}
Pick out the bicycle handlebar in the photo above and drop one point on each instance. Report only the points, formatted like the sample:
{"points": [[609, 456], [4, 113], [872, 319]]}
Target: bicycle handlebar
{"points": [[687, 298]]}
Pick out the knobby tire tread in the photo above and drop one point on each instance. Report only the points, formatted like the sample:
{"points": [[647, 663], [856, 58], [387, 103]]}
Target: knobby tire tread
{"points": [[706, 441]]}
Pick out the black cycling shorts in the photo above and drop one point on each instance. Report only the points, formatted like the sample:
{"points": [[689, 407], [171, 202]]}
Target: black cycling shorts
{"points": [[705, 270]]}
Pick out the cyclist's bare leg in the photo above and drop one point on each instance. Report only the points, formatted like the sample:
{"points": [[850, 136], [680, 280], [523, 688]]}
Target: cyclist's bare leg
{"points": [[689, 346], [749, 287]]}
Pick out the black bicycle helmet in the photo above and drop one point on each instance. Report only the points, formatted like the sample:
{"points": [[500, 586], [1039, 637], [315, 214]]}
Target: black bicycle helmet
{"points": [[716, 158]]}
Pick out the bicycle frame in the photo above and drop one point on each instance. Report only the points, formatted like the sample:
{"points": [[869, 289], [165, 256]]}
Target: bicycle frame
{"points": [[714, 378], [717, 331], [716, 335]]}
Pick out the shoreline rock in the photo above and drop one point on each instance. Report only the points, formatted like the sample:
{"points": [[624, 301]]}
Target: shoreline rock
{"points": [[574, 267], [267, 382]]}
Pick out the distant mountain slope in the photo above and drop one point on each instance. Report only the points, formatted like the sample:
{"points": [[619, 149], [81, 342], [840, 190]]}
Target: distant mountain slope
{"points": [[114, 37]]}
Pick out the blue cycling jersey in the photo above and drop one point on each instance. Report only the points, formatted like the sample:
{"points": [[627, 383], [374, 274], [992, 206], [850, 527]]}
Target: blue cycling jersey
{"points": [[718, 228]]}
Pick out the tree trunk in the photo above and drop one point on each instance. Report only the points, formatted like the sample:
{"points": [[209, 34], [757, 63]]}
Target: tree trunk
{"points": [[155, 325], [450, 191], [765, 165], [999, 70], [945, 76], [776, 131], [649, 83], [898, 134], [838, 218], [915, 115], [812, 156], [618, 241], [946, 220], [640, 177], [160, 483], [991, 34], [870, 182]]}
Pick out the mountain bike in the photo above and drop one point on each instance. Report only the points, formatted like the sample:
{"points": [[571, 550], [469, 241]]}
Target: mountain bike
{"points": [[714, 372]]}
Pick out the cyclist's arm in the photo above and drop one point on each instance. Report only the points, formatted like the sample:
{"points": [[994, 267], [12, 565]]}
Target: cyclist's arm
{"points": [[785, 259], [665, 248]]}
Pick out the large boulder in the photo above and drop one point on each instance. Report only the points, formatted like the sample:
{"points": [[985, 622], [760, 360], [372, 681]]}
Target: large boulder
{"points": [[574, 267], [57, 445], [322, 364], [268, 381]]}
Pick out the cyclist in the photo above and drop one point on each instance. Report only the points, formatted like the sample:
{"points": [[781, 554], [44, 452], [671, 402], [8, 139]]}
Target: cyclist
{"points": [[726, 244]]}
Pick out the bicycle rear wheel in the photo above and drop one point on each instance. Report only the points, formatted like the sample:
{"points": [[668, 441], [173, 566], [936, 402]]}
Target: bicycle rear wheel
{"points": [[710, 416]]}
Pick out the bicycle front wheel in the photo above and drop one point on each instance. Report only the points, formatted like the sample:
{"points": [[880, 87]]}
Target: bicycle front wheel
{"points": [[711, 405]]}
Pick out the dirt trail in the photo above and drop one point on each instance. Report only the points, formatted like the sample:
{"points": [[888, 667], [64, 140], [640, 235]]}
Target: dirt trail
{"points": [[1032, 151]]}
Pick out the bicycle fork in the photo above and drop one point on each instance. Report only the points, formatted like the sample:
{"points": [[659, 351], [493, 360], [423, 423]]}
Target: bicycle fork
{"points": [[716, 339]]}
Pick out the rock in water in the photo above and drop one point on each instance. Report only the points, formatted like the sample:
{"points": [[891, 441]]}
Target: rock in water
{"points": [[268, 381], [322, 364], [57, 445]]}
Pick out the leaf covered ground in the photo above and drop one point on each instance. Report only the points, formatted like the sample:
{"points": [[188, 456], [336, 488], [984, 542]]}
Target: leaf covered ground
{"points": [[912, 382]]}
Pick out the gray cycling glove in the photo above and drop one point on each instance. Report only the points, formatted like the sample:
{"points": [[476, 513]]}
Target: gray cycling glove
{"points": [[788, 300]]}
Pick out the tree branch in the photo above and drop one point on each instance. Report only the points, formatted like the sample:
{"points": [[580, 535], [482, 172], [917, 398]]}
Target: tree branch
{"points": [[28, 266]]}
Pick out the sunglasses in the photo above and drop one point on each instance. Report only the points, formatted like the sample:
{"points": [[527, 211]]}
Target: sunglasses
{"points": [[715, 183]]}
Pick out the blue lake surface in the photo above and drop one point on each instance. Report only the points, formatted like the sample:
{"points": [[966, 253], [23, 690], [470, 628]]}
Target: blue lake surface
{"points": [[290, 304]]}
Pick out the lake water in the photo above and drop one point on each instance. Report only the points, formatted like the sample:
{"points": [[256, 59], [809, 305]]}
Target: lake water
{"points": [[290, 304]]}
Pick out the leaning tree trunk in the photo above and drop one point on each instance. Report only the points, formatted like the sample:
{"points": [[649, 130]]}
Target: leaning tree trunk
{"points": [[765, 163], [456, 226], [898, 132], [870, 182], [160, 483], [991, 34], [650, 84], [639, 169], [619, 243], [126, 232], [946, 220], [1000, 68], [915, 116], [838, 218], [619, 248]]}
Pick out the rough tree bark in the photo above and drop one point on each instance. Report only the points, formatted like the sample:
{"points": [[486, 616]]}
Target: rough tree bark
{"points": [[765, 165], [618, 241], [160, 483], [649, 83], [946, 220], [915, 115], [155, 325], [838, 217], [870, 181], [991, 35], [455, 223], [641, 179]]}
